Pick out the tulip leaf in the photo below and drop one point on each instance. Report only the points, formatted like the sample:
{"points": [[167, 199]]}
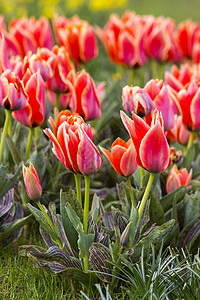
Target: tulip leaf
{"points": [[191, 207], [6, 202], [84, 243], [99, 260], [13, 227], [189, 158], [39, 160], [167, 200], [43, 221], [156, 212], [156, 236], [75, 220], [70, 231], [7, 181], [190, 234], [14, 151]]}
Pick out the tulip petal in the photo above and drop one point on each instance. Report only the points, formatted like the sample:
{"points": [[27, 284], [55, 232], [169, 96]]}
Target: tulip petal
{"points": [[194, 110], [128, 163], [88, 157], [154, 150]]}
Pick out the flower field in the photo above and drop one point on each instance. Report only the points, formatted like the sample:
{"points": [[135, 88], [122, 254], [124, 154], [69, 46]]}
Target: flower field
{"points": [[99, 150]]}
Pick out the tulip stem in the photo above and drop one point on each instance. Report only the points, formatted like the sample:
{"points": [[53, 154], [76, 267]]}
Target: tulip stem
{"points": [[57, 101], [86, 204], [30, 136], [5, 129], [141, 175], [10, 129], [78, 187], [37, 130], [131, 76], [146, 194], [131, 192], [192, 134]]}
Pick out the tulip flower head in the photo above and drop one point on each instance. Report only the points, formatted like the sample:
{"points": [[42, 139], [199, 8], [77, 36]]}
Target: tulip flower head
{"points": [[177, 178], [74, 147], [32, 115], [32, 182], [152, 150], [12, 92], [122, 157], [136, 100]]}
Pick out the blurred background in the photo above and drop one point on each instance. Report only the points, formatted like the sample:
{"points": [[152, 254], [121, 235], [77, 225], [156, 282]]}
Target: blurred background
{"points": [[98, 11]]}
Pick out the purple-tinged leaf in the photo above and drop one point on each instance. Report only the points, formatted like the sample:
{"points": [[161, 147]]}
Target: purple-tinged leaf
{"points": [[120, 220], [99, 260], [6, 202], [108, 220], [190, 233]]}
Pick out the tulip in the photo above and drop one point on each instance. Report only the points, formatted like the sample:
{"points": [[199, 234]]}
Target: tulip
{"points": [[122, 158], [182, 135], [32, 182], [74, 147], [77, 36], [178, 78], [12, 97], [4, 59], [84, 99], [32, 115], [160, 96], [12, 92], [152, 150], [136, 100], [177, 178], [29, 34]]}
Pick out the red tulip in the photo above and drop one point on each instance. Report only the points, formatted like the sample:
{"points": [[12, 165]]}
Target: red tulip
{"points": [[12, 92], [32, 115], [84, 99], [123, 39], [160, 96], [189, 105], [60, 64], [136, 100], [74, 147], [29, 34], [122, 157], [32, 182], [177, 178], [77, 36], [152, 150], [182, 135]]}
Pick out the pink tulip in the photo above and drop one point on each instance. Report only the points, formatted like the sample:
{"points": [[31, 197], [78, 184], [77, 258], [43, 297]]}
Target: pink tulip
{"points": [[122, 157], [152, 150], [160, 96], [84, 99], [32, 182], [29, 34], [177, 178], [60, 64], [12, 92], [136, 100], [4, 59], [32, 115], [182, 135], [77, 36], [189, 105], [74, 147]]}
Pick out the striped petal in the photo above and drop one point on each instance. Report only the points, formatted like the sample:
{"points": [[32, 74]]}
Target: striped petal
{"points": [[128, 163]]}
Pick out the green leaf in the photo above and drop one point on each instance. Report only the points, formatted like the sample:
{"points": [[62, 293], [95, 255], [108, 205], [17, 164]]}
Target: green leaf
{"points": [[84, 243], [43, 221], [74, 219], [7, 181], [13, 227], [189, 157], [70, 231], [13, 150], [167, 201], [191, 207], [155, 236], [156, 212]]}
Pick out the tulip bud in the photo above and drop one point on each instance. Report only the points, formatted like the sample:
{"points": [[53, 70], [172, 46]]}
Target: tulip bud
{"points": [[32, 182], [178, 178]]}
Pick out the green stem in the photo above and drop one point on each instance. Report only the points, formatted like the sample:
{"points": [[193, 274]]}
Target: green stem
{"points": [[146, 194], [85, 263], [57, 175], [86, 204], [57, 100], [5, 129], [50, 223], [37, 130], [184, 149], [131, 191], [192, 134], [28, 148], [131, 77], [141, 175], [78, 187], [10, 129]]}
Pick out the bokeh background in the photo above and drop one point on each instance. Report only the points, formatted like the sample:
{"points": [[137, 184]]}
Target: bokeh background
{"points": [[98, 11]]}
